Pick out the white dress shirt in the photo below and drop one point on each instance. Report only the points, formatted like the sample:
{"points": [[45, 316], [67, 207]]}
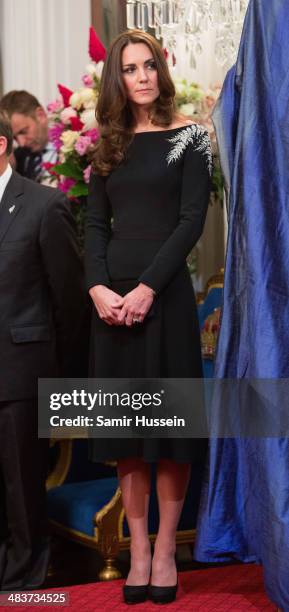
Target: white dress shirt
{"points": [[4, 180], [49, 154]]}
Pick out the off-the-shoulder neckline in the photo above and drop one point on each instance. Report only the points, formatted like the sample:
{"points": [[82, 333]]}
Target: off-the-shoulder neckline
{"points": [[181, 127]]}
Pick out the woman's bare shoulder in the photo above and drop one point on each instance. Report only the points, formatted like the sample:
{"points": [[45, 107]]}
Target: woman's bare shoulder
{"points": [[181, 121]]}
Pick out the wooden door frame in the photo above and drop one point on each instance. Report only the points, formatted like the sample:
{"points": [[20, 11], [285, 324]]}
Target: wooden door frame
{"points": [[97, 15]]}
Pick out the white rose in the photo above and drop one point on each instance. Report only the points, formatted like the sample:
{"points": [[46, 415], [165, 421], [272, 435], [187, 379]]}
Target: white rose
{"points": [[66, 114], [88, 118], [68, 137], [98, 69], [187, 109], [181, 88], [91, 69], [85, 96], [75, 99], [94, 69], [88, 96]]}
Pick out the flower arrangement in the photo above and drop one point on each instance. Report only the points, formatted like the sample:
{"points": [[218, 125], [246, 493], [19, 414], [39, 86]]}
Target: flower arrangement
{"points": [[196, 103], [73, 129], [73, 132]]}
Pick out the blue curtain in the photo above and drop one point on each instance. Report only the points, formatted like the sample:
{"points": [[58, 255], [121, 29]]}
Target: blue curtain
{"points": [[245, 506]]}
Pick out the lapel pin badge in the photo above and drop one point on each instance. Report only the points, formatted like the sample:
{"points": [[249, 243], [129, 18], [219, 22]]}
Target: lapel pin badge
{"points": [[11, 209]]}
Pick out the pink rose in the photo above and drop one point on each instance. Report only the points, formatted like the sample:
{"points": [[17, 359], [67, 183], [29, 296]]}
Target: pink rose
{"points": [[87, 173], [92, 134], [65, 184], [66, 115], [82, 144], [55, 106], [87, 80], [54, 134]]}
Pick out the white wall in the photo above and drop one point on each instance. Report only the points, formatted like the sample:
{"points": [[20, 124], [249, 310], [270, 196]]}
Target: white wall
{"points": [[43, 42]]}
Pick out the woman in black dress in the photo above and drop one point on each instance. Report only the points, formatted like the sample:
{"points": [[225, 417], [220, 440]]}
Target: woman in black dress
{"points": [[151, 175]]}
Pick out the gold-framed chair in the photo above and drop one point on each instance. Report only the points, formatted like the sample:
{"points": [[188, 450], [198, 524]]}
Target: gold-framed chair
{"points": [[62, 493], [209, 309]]}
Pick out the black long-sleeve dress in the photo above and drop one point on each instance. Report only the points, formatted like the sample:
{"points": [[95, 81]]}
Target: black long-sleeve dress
{"points": [[158, 201]]}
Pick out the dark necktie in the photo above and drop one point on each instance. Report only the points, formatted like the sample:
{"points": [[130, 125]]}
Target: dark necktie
{"points": [[34, 166]]}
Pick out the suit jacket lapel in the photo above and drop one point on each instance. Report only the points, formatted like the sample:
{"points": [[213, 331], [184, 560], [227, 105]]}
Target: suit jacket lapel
{"points": [[11, 203]]}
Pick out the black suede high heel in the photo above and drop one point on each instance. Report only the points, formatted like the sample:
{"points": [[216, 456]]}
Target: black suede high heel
{"points": [[162, 594], [135, 594]]}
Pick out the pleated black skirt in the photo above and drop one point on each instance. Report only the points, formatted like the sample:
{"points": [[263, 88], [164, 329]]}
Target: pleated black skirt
{"points": [[165, 345]]}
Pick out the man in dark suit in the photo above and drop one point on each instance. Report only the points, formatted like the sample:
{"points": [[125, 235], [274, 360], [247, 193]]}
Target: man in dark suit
{"points": [[30, 130], [42, 308]]}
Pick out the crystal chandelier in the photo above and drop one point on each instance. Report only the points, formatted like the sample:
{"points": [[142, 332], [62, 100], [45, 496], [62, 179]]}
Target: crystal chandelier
{"points": [[189, 19]]}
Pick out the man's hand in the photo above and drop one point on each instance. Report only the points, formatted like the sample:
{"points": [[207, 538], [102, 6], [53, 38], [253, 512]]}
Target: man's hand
{"points": [[135, 305], [107, 303]]}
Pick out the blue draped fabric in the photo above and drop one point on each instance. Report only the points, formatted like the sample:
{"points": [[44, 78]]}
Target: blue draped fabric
{"points": [[245, 506]]}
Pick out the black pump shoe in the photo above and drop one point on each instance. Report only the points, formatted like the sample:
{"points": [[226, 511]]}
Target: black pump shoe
{"points": [[163, 594], [135, 594]]}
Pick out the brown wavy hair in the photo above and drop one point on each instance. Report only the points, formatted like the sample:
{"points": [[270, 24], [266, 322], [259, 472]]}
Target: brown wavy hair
{"points": [[113, 112]]}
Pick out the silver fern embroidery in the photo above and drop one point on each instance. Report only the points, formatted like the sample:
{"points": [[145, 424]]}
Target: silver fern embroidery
{"points": [[199, 137]]}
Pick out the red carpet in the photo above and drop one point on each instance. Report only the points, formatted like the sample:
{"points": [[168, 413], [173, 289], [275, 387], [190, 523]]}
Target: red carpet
{"points": [[237, 588]]}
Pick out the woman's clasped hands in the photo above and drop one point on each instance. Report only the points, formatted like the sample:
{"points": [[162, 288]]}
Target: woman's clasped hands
{"points": [[128, 310]]}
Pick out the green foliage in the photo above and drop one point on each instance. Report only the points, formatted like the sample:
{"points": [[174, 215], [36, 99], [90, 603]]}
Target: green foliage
{"points": [[80, 189], [188, 93], [69, 168]]}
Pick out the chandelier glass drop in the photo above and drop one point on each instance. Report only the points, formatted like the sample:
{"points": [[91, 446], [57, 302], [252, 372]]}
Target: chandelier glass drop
{"points": [[189, 19]]}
